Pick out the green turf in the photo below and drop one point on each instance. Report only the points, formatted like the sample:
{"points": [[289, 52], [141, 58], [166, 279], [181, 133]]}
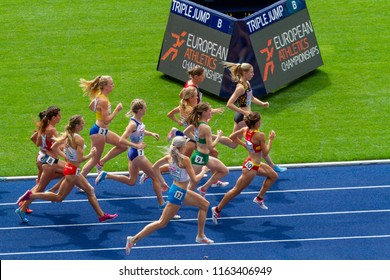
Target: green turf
{"points": [[338, 112]]}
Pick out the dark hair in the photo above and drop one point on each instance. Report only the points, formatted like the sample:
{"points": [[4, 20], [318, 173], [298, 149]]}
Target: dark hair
{"points": [[51, 112], [196, 71], [193, 117], [252, 119]]}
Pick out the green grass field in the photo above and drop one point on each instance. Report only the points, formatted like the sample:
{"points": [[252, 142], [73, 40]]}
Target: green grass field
{"points": [[339, 112]]}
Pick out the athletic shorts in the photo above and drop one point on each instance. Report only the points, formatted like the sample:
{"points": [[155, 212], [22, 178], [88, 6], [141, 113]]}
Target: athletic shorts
{"points": [[49, 160], [70, 169], [248, 164], [41, 155], [98, 130], [133, 153], [199, 158], [176, 195], [238, 117]]}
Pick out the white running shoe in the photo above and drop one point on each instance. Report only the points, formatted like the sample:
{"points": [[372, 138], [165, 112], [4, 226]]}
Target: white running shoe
{"points": [[260, 203], [215, 215], [219, 184], [99, 167], [143, 178], [201, 191], [176, 217], [204, 240], [129, 245]]}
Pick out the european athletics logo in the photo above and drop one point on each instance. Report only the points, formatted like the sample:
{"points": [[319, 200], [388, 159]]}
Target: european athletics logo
{"points": [[269, 64], [174, 49]]}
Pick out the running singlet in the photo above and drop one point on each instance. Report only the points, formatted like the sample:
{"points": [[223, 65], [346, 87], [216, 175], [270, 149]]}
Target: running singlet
{"points": [[46, 143], [245, 100], [187, 84], [99, 116], [139, 133], [252, 148], [196, 135], [177, 173]]}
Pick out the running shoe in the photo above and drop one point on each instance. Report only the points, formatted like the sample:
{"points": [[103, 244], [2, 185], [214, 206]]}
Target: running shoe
{"points": [[162, 206], [176, 217], [172, 133], [21, 215], [219, 184], [143, 178], [25, 196], [260, 203], [215, 215], [101, 177], [279, 169], [28, 210], [204, 240], [107, 217], [201, 191], [99, 167], [129, 245]]}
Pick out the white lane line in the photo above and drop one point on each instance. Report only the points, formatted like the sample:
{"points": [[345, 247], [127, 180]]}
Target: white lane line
{"points": [[334, 238], [194, 220], [218, 194]]}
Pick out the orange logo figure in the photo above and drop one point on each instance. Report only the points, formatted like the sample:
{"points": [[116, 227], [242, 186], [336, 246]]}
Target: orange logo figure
{"points": [[175, 47], [269, 64]]}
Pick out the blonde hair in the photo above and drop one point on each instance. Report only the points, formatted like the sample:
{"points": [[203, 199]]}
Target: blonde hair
{"points": [[187, 94], [68, 135], [135, 105], [94, 87], [237, 69], [174, 153]]}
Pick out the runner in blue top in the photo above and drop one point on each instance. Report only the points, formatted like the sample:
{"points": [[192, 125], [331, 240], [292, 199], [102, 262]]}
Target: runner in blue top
{"points": [[133, 137], [182, 173]]}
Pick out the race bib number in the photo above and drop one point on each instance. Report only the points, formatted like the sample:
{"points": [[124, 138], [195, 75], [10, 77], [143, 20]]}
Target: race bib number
{"points": [[199, 159], [178, 195], [41, 159], [50, 160], [141, 152], [249, 165], [102, 131]]}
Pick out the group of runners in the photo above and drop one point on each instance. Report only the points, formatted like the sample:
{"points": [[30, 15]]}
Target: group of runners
{"points": [[190, 157]]}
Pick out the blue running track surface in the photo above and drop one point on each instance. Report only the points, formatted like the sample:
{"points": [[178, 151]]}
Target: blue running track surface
{"points": [[329, 212]]}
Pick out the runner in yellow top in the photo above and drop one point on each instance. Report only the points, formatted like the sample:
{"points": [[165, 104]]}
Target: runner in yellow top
{"points": [[98, 90]]}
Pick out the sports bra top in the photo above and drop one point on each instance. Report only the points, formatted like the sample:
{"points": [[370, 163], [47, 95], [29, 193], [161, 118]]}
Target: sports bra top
{"points": [[252, 147], [245, 100], [99, 116], [71, 153], [138, 135], [177, 173]]}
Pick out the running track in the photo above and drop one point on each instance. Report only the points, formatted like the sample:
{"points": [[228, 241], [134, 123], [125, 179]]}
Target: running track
{"points": [[316, 212]]}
